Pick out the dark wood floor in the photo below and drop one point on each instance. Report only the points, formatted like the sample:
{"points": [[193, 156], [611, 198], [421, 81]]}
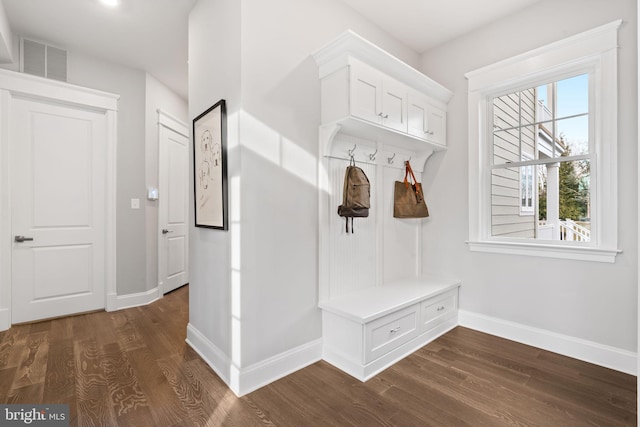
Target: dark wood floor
{"points": [[133, 368]]}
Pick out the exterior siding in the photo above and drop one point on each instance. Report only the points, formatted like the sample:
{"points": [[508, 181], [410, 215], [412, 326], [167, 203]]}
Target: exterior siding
{"points": [[512, 113]]}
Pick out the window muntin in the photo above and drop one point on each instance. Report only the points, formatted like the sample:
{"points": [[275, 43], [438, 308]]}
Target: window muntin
{"points": [[537, 132]]}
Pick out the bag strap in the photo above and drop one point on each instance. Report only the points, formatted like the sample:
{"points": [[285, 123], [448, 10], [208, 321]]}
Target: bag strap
{"points": [[346, 225], [408, 171]]}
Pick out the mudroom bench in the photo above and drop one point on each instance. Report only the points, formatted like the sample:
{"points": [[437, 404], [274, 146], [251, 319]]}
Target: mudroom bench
{"points": [[368, 330], [377, 112]]}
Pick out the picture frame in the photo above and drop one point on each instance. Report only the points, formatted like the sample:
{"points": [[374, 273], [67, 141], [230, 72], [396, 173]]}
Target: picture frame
{"points": [[210, 167]]}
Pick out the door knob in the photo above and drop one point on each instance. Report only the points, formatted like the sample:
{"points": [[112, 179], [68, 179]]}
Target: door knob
{"points": [[21, 239], [165, 231]]}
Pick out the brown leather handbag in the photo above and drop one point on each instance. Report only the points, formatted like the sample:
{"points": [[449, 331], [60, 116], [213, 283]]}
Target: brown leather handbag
{"points": [[408, 198]]}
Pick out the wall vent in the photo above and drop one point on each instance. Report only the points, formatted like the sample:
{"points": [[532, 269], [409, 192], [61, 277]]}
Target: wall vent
{"points": [[43, 60]]}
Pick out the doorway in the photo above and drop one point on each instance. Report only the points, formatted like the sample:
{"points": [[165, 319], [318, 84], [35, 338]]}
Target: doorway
{"points": [[173, 211], [57, 199]]}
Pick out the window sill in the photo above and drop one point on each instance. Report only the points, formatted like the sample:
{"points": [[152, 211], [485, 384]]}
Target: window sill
{"points": [[546, 250]]}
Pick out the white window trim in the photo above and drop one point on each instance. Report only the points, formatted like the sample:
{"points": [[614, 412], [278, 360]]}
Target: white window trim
{"points": [[595, 51]]}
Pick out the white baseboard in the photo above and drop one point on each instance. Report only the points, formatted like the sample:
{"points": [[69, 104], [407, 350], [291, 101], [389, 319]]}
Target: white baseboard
{"points": [[262, 373], [245, 380], [5, 319], [215, 358], [577, 348], [119, 302]]}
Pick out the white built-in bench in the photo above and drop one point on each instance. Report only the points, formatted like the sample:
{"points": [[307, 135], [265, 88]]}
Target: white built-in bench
{"points": [[368, 330]]}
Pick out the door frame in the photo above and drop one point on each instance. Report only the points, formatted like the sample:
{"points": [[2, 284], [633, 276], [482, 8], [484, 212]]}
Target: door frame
{"points": [[174, 124], [12, 85]]}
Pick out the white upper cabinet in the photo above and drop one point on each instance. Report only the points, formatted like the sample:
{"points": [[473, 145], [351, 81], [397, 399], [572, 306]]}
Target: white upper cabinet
{"points": [[372, 94], [426, 121], [376, 97]]}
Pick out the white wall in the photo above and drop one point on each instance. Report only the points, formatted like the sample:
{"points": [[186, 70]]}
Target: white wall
{"points": [[253, 292], [214, 74], [158, 96], [279, 137], [590, 301], [6, 38]]}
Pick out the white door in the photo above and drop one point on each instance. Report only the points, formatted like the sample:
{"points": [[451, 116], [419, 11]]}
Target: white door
{"points": [[173, 210], [58, 179]]}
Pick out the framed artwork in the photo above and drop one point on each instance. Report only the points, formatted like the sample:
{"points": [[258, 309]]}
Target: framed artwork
{"points": [[210, 167]]}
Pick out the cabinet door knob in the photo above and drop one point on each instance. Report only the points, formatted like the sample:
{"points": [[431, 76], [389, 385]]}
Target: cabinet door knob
{"points": [[440, 308], [394, 330]]}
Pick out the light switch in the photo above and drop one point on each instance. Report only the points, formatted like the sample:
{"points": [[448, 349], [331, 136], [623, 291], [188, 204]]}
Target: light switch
{"points": [[135, 203]]}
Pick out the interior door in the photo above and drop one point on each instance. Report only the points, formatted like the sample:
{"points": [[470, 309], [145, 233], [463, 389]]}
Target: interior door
{"points": [[173, 210], [58, 178]]}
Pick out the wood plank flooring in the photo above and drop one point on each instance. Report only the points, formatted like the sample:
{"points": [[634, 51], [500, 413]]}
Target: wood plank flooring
{"points": [[133, 368]]}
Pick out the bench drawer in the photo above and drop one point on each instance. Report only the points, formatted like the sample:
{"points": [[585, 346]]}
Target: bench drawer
{"points": [[438, 308], [388, 332]]}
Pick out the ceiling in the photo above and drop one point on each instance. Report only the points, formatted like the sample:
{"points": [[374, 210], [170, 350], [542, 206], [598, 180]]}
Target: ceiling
{"points": [[152, 35], [149, 35], [424, 24]]}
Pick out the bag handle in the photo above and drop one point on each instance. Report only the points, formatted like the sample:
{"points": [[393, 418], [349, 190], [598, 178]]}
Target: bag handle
{"points": [[408, 171]]}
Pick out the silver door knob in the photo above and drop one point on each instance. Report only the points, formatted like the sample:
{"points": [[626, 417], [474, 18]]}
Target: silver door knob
{"points": [[21, 239], [165, 231]]}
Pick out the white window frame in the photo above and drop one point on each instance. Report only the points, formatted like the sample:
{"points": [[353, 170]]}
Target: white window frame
{"points": [[595, 52]]}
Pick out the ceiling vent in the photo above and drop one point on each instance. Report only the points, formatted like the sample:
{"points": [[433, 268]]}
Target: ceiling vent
{"points": [[43, 60]]}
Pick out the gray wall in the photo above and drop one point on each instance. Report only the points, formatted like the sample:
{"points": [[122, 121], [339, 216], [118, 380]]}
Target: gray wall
{"points": [[130, 223], [157, 95], [586, 300]]}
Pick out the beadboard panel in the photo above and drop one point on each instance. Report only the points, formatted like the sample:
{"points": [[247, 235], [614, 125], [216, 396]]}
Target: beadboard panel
{"points": [[352, 255]]}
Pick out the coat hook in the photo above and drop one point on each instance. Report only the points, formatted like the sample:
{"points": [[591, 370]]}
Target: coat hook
{"points": [[372, 156], [352, 150], [390, 159], [409, 161]]}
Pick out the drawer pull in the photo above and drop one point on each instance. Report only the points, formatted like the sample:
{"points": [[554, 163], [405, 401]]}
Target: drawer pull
{"points": [[394, 330], [440, 308]]}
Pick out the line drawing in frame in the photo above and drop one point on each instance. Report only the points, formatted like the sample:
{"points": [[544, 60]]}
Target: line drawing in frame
{"points": [[210, 167]]}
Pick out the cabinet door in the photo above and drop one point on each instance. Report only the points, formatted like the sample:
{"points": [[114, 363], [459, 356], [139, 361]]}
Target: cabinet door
{"points": [[436, 125], [366, 92], [417, 116], [394, 105]]}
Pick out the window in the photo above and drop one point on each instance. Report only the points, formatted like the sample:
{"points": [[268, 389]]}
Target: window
{"points": [[542, 150], [540, 133]]}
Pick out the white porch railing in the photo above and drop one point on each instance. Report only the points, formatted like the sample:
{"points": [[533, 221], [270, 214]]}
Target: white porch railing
{"points": [[569, 230]]}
